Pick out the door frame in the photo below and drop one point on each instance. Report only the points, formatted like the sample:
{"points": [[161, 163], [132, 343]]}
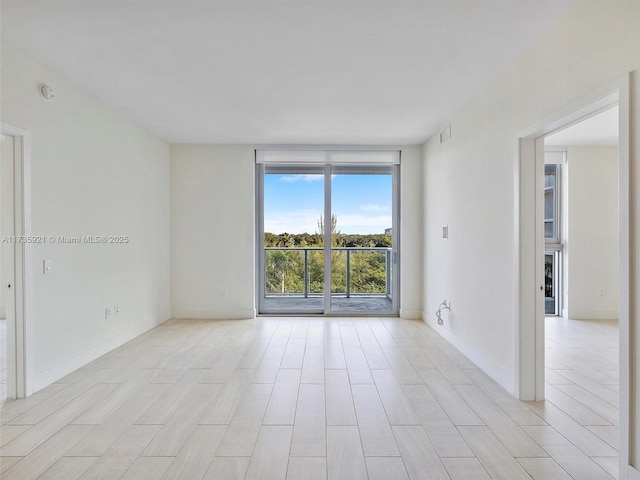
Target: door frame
{"points": [[395, 250], [19, 333], [529, 248]]}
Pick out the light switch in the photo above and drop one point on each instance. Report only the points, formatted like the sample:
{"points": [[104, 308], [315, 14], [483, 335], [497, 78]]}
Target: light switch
{"points": [[47, 266], [445, 232]]}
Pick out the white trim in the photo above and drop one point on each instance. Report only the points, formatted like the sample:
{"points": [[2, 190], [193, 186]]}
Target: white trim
{"points": [[396, 252], [526, 280], [22, 386], [259, 239], [303, 155], [331, 147], [411, 314], [504, 379], [587, 107], [594, 315], [539, 268], [632, 474], [219, 314], [8, 263], [625, 294]]}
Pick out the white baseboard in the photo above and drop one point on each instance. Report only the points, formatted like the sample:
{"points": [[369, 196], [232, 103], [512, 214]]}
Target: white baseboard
{"points": [[410, 314], [504, 379], [46, 377], [593, 315], [225, 314]]}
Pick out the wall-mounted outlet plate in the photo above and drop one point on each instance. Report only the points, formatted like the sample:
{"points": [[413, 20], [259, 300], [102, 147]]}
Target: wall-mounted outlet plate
{"points": [[107, 313], [116, 309]]}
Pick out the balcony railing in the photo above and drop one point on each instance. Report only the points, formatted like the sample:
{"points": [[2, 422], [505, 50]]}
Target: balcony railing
{"points": [[355, 271]]}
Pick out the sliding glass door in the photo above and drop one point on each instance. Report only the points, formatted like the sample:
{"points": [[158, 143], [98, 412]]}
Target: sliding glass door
{"points": [[292, 264], [362, 239], [327, 234]]}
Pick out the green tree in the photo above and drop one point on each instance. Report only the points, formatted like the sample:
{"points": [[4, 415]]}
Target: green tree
{"points": [[335, 233], [285, 269], [279, 265]]}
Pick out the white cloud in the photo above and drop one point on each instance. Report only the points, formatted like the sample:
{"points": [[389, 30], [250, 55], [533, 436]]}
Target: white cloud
{"points": [[306, 221], [300, 221], [372, 207], [354, 223]]}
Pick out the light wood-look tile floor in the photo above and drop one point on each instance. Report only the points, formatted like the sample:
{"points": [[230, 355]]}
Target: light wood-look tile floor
{"points": [[582, 385], [309, 398]]}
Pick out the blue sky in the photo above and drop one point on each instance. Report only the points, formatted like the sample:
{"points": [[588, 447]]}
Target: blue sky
{"points": [[293, 203]]}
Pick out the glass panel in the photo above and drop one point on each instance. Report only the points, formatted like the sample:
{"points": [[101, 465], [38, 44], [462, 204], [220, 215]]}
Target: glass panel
{"points": [[293, 255], [294, 265], [550, 202], [549, 300], [548, 229], [552, 238], [551, 283], [361, 242]]}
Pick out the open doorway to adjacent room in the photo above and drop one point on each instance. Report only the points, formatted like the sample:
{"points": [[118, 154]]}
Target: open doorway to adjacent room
{"points": [[581, 273], [573, 291]]}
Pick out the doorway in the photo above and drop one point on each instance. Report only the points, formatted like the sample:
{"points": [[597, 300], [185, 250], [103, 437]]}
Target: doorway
{"points": [[14, 262], [582, 278], [327, 232], [530, 245], [581, 219]]}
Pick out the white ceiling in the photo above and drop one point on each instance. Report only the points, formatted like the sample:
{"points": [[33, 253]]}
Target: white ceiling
{"points": [[271, 72], [599, 130]]}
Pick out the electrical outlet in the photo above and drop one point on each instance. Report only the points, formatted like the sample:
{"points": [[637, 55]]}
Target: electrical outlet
{"points": [[107, 313], [116, 310], [223, 293], [602, 292]]}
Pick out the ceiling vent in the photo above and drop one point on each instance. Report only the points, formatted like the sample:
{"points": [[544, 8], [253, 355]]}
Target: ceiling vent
{"points": [[445, 134]]}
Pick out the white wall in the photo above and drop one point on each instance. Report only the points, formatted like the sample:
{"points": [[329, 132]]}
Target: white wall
{"points": [[593, 252], [6, 158], [93, 172], [213, 225], [411, 232], [212, 231], [469, 180]]}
